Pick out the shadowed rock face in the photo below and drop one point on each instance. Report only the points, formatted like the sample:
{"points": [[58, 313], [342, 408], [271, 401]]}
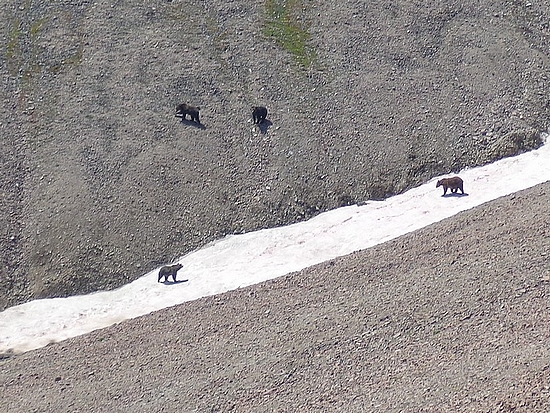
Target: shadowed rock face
{"points": [[101, 184]]}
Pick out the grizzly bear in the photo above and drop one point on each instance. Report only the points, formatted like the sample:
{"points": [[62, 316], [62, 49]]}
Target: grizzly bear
{"points": [[259, 113], [183, 109], [169, 270], [454, 183]]}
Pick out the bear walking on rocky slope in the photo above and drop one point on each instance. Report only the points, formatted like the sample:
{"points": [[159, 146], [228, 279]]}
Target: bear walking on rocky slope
{"points": [[183, 109], [259, 113]]}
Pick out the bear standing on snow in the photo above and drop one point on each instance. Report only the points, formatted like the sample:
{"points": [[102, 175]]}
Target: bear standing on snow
{"points": [[455, 183], [169, 270]]}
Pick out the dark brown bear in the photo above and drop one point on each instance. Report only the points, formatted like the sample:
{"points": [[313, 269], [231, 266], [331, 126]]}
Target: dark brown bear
{"points": [[169, 270], [183, 109], [454, 183], [259, 113]]}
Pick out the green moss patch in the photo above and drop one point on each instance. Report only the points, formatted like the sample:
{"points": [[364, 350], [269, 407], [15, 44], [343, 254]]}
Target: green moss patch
{"points": [[282, 26]]}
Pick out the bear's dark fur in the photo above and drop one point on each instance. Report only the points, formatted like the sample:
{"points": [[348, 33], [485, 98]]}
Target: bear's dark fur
{"points": [[455, 183], [183, 109], [259, 113], [169, 270]]}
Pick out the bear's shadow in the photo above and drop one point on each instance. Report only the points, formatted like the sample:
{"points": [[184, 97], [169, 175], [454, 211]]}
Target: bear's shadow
{"points": [[264, 125], [451, 195], [190, 122], [166, 282]]}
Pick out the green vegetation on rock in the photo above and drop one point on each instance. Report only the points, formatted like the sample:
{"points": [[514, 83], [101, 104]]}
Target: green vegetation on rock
{"points": [[26, 58], [283, 26]]}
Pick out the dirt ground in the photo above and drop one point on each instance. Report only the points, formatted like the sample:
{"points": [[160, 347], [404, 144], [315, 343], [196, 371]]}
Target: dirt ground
{"points": [[100, 183], [451, 318]]}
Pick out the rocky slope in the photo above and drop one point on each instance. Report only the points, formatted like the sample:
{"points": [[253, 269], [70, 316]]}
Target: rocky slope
{"points": [[100, 183], [452, 318]]}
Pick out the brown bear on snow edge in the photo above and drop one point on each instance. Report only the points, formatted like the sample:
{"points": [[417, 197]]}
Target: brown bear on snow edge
{"points": [[455, 183], [169, 270]]}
